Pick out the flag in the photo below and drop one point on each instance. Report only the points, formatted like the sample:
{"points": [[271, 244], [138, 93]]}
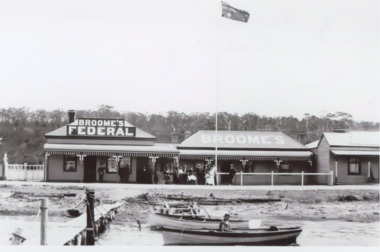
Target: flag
{"points": [[235, 14]]}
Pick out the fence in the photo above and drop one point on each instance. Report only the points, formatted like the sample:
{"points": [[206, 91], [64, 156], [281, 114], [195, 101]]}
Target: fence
{"points": [[24, 172], [330, 176]]}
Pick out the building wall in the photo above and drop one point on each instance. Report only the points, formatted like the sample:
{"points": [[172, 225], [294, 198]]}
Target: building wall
{"points": [[268, 167], [323, 162], [108, 177], [345, 178], [56, 173], [114, 177]]}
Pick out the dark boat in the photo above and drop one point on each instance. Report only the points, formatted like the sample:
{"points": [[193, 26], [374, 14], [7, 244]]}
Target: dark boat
{"points": [[261, 236]]}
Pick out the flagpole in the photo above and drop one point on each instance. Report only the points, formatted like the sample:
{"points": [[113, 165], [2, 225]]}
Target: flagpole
{"points": [[216, 97], [237, 15]]}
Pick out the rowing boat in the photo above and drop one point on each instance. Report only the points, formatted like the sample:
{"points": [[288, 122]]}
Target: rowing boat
{"points": [[260, 236], [158, 220]]}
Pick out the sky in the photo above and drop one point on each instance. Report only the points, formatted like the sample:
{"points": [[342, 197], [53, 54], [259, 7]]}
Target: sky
{"points": [[292, 57]]}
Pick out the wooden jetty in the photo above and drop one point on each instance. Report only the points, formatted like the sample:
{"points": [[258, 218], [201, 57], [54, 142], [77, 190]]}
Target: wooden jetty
{"points": [[74, 232]]}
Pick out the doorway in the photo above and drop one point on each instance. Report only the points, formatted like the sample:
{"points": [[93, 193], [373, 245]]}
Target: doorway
{"points": [[143, 173], [89, 173], [225, 167]]}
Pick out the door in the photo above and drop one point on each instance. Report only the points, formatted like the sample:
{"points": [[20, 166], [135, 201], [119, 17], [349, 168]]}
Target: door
{"points": [[224, 167], [89, 173], [143, 174]]}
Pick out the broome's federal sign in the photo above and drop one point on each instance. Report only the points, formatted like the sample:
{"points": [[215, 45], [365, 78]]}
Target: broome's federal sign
{"points": [[242, 139], [101, 127]]}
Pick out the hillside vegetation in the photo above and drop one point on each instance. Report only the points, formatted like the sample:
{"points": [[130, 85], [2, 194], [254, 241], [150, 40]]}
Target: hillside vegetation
{"points": [[23, 130]]}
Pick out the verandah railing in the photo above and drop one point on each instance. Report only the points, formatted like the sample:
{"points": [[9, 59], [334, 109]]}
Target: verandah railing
{"points": [[330, 176]]}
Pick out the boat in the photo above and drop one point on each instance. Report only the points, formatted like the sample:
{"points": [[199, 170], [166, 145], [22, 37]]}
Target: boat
{"points": [[270, 236], [159, 220]]}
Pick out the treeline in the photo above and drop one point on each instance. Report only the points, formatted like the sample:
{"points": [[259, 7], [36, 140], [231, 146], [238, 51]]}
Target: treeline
{"points": [[23, 130]]}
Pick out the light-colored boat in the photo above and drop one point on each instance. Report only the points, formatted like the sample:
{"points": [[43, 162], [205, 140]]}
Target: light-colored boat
{"points": [[158, 220], [260, 236]]}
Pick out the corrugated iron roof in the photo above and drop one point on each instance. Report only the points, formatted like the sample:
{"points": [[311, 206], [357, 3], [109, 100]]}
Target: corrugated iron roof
{"points": [[354, 138], [111, 148], [211, 153], [355, 153], [241, 140], [312, 145]]}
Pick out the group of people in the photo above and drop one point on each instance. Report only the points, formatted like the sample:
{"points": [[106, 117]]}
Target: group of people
{"points": [[206, 176], [197, 176]]}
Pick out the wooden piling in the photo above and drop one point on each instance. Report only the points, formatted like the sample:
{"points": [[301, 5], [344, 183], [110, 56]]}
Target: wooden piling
{"points": [[90, 195], [44, 220]]}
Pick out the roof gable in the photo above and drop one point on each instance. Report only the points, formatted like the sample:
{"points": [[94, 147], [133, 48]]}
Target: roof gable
{"points": [[241, 140]]}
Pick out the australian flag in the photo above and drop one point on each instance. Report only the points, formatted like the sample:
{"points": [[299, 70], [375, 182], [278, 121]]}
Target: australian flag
{"points": [[235, 14]]}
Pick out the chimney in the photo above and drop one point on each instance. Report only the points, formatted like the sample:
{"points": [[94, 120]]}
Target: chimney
{"points": [[71, 116], [337, 130], [174, 137]]}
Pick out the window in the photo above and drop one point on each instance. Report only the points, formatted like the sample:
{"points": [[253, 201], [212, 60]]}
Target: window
{"points": [[112, 165], [70, 163], [353, 166]]}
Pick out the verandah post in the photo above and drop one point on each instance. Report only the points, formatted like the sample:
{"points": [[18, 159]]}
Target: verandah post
{"points": [[5, 170], [271, 178], [241, 178], [301, 178], [369, 169], [336, 171]]}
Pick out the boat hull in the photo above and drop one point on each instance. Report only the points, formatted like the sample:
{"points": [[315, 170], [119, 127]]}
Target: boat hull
{"points": [[283, 236], [158, 221]]}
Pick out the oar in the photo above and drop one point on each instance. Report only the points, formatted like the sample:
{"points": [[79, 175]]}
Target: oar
{"points": [[203, 209]]}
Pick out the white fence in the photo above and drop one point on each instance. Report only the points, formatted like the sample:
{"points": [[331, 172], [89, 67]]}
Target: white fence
{"points": [[330, 176], [24, 172]]}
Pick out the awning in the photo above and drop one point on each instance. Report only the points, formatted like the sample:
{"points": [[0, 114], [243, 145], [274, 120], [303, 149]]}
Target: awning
{"points": [[248, 155], [355, 153], [111, 150]]}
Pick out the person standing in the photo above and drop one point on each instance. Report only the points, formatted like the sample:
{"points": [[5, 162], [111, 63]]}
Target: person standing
{"points": [[121, 173], [166, 176], [101, 172], [231, 174], [175, 176], [155, 176], [211, 177], [127, 172]]}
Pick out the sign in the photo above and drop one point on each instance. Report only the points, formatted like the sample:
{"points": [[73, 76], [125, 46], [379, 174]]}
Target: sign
{"points": [[242, 139], [101, 127]]}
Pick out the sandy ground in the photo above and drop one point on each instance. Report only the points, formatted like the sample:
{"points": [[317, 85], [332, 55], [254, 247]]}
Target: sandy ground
{"points": [[349, 203]]}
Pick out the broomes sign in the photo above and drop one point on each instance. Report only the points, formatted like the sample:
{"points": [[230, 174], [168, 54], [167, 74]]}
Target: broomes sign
{"points": [[242, 139], [101, 127]]}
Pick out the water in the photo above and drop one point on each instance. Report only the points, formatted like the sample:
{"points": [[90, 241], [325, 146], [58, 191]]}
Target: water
{"points": [[315, 233], [29, 225], [124, 233]]}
